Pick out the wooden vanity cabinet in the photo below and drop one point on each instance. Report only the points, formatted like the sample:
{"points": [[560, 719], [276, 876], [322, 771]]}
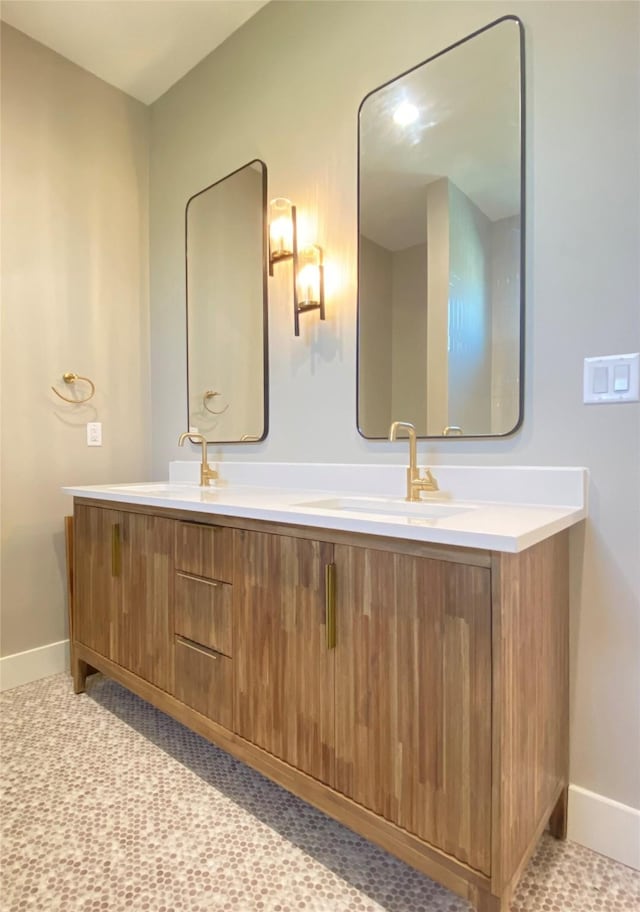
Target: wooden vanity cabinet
{"points": [[433, 721], [124, 590]]}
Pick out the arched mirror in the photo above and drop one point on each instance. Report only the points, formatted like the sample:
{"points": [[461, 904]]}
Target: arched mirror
{"points": [[441, 241], [226, 256]]}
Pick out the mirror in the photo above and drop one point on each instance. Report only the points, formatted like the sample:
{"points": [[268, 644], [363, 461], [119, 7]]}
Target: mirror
{"points": [[441, 241], [226, 258]]}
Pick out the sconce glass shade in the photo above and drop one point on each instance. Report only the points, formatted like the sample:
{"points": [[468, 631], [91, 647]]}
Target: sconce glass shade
{"points": [[281, 229], [308, 277]]}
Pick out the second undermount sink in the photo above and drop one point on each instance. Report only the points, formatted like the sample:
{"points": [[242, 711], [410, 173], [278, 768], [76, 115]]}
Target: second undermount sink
{"points": [[423, 509]]}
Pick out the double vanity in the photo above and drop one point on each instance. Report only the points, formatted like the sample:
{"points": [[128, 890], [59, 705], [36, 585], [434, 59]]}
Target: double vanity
{"points": [[403, 666]]}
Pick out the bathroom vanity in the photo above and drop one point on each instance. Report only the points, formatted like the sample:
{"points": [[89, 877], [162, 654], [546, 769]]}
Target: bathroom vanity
{"points": [[403, 673]]}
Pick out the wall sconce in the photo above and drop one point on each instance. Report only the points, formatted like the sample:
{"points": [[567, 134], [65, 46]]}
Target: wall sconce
{"points": [[309, 284], [283, 240], [308, 270]]}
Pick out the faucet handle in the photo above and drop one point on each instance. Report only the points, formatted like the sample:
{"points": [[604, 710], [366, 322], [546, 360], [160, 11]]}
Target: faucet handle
{"points": [[430, 484]]}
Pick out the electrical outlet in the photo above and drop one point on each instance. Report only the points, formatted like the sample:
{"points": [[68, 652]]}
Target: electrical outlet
{"points": [[94, 433]]}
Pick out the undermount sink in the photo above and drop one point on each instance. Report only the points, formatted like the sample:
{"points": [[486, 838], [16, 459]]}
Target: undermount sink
{"points": [[419, 509]]}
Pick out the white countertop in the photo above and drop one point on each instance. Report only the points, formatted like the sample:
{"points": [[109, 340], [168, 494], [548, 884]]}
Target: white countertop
{"points": [[505, 525]]}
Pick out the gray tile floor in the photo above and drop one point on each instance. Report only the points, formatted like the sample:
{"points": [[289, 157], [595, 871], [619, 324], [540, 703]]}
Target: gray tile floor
{"points": [[109, 806]]}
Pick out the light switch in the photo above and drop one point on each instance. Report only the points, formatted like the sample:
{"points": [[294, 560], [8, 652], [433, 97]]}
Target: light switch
{"points": [[612, 378], [601, 379], [621, 378]]}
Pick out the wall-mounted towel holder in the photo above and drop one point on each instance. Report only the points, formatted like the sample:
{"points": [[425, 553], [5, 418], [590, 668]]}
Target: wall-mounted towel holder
{"points": [[69, 378], [210, 394]]}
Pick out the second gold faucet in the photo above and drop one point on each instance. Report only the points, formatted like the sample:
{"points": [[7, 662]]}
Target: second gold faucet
{"points": [[416, 482], [207, 474]]}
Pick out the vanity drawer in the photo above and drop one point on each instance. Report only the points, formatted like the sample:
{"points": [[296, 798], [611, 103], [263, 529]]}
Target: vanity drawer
{"points": [[203, 612], [204, 681], [205, 550]]}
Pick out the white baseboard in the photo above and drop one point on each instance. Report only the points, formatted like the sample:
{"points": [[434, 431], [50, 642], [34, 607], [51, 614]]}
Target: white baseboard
{"points": [[606, 826], [23, 667]]}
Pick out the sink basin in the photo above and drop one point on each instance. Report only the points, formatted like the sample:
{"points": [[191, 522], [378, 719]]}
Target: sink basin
{"points": [[395, 507]]}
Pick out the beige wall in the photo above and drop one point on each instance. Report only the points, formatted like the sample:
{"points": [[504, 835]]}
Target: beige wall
{"points": [[409, 336], [375, 335], [74, 298], [437, 367], [286, 88], [505, 329], [469, 315]]}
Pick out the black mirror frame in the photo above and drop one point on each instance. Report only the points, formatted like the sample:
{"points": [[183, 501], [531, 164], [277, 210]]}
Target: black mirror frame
{"points": [[523, 217], [265, 297]]}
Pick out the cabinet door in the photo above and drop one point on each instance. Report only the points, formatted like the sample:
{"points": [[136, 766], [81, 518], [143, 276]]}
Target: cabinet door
{"points": [[413, 696], [144, 629], [96, 578], [284, 670]]}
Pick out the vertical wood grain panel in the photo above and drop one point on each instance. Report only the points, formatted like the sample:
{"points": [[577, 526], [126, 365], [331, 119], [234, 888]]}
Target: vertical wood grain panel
{"points": [[204, 681], [283, 670], [531, 696], [466, 792], [145, 618], [203, 612], [413, 693], [96, 600], [204, 550]]}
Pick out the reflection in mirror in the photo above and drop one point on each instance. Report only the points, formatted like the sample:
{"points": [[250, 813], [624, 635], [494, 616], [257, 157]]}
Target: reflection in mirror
{"points": [[440, 274], [227, 307]]}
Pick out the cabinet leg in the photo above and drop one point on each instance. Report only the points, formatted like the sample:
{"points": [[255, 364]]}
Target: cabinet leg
{"points": [[79, 672], [487, 902], [558, 819]]}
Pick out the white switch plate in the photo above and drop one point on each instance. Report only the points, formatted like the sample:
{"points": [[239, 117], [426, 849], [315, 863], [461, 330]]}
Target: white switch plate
{"points": [[606, 377], [94, 433]]}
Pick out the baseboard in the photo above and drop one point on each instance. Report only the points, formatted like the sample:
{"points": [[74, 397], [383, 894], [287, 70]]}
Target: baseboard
{"points": [[606, 826], [23, 667]]}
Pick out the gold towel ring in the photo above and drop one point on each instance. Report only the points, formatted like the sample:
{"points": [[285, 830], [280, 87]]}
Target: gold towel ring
{"points": [[209, 395], [70, 377]]}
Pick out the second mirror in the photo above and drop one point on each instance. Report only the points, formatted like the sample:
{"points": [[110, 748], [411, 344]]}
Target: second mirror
{"points": [[440, 274]]}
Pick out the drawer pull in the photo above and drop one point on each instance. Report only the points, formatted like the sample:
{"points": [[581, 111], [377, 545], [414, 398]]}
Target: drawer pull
{"points": [[330, 605], [115, 549], [198, 647], [200, 579]]}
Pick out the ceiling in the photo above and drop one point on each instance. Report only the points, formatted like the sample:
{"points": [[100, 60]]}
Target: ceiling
{"points": [[140, 46]]}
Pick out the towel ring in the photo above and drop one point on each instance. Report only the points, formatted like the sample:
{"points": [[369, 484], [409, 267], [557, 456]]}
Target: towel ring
{"points": [[70, 377], [209, 395]]}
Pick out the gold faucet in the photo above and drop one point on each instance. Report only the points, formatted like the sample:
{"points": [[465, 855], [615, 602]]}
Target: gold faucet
{"points": [[207, 474], [416, 482]]}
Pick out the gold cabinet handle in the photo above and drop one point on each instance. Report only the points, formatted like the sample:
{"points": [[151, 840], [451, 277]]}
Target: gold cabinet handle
{"points": [[115, 549], [330, 605], [215, 584]]}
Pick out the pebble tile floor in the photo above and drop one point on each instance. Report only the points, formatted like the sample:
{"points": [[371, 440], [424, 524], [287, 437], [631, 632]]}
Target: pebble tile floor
{"points": [[108, 806]]}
